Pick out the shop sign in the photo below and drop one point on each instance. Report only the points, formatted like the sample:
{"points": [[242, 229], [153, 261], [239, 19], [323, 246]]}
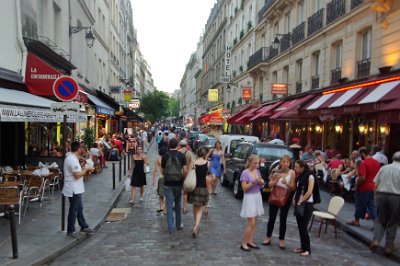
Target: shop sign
{"points": [[40, 76], [115, 89], [279, 88], [66, 108], [228, 58], [213, 95], [246, 93], [10, 113], [127, 96], [134, 104]]}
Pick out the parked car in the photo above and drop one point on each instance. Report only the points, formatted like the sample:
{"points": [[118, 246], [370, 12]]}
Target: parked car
{"points": [[270, 155], [199, 141], [193, 135], [231, 142], [210, 142]]}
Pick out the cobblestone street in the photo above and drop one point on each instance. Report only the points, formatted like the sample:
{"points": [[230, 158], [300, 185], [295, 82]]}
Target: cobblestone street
{"points": [[142, 239]]}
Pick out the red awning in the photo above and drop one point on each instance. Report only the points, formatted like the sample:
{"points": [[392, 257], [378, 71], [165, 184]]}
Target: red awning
{"points": [[204, 119], [245, 118], [290, 106], [363, 99], [265, 111], [238, 115]]}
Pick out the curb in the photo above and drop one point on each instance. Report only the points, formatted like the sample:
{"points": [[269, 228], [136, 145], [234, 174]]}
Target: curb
{"points": [[69, 245]]}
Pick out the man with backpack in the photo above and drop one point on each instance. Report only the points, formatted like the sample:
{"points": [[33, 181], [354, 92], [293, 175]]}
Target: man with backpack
{"points": [[174, 170]]}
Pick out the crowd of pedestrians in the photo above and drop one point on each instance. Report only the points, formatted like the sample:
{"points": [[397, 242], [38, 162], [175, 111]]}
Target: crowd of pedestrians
{"points": [[361, 172]]}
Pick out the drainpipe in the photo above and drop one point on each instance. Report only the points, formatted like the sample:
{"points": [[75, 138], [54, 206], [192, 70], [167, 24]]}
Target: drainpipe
{"points": [[21, 43]]}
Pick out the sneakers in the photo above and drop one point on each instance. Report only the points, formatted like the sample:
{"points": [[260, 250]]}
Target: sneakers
{"points": [[180, 227], [86, 231], [73, 235]]}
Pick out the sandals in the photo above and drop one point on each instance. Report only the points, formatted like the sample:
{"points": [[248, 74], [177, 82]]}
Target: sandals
{"points": [[253, 246], [353, 222], [298, 250], [305, 254]]}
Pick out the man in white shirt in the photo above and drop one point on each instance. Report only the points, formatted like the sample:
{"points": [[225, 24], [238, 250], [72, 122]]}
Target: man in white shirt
{"points": [[379, 155], [73, 189], [144, 140]]}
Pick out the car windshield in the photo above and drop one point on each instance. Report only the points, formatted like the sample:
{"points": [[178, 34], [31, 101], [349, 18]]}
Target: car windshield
{"points": [[268, 152], [202, 137], [235, 143], [211, 141]]}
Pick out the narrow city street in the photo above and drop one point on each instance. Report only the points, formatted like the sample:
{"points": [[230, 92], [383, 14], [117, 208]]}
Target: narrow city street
{"points": [[142, 239]]}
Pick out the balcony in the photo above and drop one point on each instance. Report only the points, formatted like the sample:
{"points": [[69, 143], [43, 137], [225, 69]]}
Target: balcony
{"points": [[267, 5], [334, 10], [257, 57], [315, 22], [355, 3], [336, 74], [363, 68], [299, 85], [298, 33], [272, 53], [314, 82], [285, 42]]}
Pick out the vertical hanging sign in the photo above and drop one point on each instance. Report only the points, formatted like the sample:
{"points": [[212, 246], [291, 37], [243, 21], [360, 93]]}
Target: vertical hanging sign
{"points": [[228, 57]]}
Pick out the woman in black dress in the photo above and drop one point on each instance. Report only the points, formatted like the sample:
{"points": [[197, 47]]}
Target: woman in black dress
{"points": [[199, 196], [138, 176]]}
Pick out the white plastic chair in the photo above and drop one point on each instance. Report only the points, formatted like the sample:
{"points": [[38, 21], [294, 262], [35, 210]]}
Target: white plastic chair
{"points": [[335, 205]]}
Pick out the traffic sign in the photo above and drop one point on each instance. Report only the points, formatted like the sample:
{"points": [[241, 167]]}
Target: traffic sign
{"points": [[65, 88], [67, 108]]}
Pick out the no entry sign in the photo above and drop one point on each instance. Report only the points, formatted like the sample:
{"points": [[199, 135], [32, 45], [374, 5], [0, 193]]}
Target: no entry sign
{"points": [[65, 88]]}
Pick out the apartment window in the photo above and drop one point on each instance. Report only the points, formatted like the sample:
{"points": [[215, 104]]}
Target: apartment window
{"points": [[299, 75], [315, 71], [317, 5], [274, 80], [338, 55], [366, 45], [337, 58], [300, 13], [285, 76], [276, 28], [287, 22]]}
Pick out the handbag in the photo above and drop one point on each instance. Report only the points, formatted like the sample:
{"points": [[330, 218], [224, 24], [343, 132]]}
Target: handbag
{"points": [[279, 196], [146, 169], [299, 210], [190, 181]]}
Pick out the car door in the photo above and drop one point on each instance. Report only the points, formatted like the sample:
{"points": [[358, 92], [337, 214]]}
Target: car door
{"points": [[231, 164]]}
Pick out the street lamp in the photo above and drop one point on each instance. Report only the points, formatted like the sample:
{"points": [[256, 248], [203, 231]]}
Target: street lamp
{"points": [[277, 41], [89, 36]]}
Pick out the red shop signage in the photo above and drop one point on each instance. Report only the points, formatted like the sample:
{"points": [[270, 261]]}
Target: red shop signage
{"points": [[40, 77]]}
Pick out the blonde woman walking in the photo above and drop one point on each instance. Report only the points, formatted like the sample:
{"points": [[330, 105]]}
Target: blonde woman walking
{"points": [[252, 206]]}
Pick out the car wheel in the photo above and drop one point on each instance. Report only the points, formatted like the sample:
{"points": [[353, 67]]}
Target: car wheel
{"points": [[223, 181], [237, 189]]}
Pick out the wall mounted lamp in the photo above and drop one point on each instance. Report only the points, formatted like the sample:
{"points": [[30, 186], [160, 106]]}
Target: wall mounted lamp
{"points": [[338, 128], [362, 128], [384, 129], [318, 128], [277, 41], [89, 34]]}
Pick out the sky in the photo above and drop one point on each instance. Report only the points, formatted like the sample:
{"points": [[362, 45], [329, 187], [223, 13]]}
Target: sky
{"points": [[168, 32]]}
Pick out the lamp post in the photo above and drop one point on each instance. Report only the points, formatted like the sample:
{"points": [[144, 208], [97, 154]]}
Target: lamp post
{"points": [[276, 42], [89, 36]]}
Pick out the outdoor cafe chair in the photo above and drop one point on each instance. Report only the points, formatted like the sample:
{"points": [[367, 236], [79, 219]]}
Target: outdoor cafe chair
{"points": [[11, 196], [34, 190], [334, 207], [54, 181]]}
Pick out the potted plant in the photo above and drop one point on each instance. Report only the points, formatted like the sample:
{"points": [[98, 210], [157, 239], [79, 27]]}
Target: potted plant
{"points": [[241, 34]]}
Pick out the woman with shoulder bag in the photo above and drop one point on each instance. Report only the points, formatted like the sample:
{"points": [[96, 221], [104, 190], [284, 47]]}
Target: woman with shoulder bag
{"points": [[138, 179], [199, 196], [252, 206], [303, 203], [282, 178]]}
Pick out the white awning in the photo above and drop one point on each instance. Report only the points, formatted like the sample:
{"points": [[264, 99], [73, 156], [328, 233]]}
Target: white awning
{"points": [[101, 107], [322, 99], [344, 98], [20, 106], [379, 92]]}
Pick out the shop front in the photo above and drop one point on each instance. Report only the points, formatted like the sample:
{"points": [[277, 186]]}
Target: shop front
{"points": [[103, 116]]}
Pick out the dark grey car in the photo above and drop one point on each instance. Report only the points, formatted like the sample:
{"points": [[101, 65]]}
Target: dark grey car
{"points": [[270, 155]]}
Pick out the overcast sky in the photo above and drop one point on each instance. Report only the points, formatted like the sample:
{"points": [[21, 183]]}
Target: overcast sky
{"points": [[168, 32]]}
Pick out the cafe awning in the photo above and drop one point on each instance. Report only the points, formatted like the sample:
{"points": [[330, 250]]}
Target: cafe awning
{"points": [[101, 107], [20, 106], [265, 111], [234, 119], [290, 106]]}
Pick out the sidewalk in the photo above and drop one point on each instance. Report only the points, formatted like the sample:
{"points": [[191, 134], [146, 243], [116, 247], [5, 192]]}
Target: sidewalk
{"points": [[39, 235], [363, 232]]}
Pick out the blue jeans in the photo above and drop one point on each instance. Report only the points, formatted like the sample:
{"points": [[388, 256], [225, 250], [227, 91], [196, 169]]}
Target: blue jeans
{"points": [[173, 195], [365, 200], [75, 211]]}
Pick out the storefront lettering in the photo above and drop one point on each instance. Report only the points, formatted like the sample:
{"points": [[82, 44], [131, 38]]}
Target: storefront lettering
{"points": [[351, 109], [45, 76], [326, 112], [378, 106]]}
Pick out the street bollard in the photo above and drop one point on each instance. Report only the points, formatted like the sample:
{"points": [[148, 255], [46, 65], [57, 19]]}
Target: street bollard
{"points": [[120, 170], [125, 164], [13, 229], [113, 174]]}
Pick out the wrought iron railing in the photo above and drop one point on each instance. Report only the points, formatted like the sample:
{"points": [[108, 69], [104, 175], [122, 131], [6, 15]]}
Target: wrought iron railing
{"points": [[315, 22], [334, 10], [267, 4], [299, 86], [257, 57], [336, 74], [272, 53], [298, 33], [315, 82], [363, 68], [285, 42], [355, 3]]}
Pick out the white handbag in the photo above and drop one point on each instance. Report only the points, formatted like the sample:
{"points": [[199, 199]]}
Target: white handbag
{"points": [[146, 169], [190, 181]]}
